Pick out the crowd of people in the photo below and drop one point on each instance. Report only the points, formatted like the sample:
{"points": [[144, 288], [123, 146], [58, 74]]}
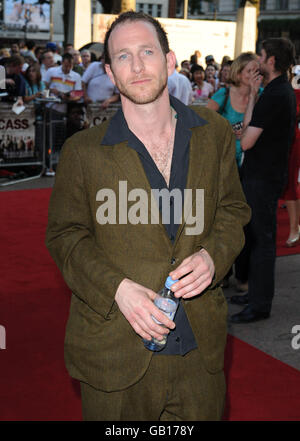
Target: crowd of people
{"points": [[74, 78], [32, 69]]}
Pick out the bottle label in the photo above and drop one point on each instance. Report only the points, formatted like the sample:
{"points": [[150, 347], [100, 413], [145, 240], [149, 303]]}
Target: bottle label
{"points": [[167, 306]]}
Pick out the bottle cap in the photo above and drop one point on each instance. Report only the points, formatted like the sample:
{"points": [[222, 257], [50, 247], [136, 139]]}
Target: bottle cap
{"points": [[170, 282]]}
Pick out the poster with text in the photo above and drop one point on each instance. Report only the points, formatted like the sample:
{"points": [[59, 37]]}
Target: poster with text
{"points": [[17, 136]]}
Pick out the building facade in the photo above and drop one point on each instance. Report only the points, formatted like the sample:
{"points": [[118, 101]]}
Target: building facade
{"points": [[221, 9], [277, 18]]}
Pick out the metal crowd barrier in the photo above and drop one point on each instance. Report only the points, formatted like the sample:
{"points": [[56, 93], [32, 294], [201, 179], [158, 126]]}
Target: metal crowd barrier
{"points": [[35, 136], [18, 140]]}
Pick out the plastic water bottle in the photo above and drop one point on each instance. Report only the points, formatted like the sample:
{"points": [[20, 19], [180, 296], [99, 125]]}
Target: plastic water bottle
{"points": [[167, 303]]}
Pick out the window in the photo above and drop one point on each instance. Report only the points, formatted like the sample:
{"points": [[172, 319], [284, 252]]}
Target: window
{"points": [[282, 4], [150, 8], [263, 4], [213, 6], [1, 10], [159, 8], [140, 7], [236, 4], [179, 8]]}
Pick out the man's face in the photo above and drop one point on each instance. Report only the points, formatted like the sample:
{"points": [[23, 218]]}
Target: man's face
{"points": [[186, 65], [48, 59], [86, 58], [263, 63], [77, 57], [15, 69], [15, 48], [139, 67], [67, 66], [210, 72]]}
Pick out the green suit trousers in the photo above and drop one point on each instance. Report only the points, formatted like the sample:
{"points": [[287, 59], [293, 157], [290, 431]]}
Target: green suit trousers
{"points": [[174, 388]]}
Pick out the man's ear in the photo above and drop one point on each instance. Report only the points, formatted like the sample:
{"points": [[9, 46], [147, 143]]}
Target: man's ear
{"points": [[110, 73], [272, 61], [171, 62]]}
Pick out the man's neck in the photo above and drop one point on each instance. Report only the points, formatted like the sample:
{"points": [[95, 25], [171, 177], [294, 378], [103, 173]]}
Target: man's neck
{"points": [[272, 76], [148, 120], [66, 72]]}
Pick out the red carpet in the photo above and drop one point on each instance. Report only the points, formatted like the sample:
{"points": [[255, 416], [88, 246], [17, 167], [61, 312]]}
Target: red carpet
{"points": [[34, 384], [283, 230]]}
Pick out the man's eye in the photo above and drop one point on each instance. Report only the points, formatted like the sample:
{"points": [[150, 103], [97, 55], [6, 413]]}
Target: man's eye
{"points": [[148, 52], [123, 57]]}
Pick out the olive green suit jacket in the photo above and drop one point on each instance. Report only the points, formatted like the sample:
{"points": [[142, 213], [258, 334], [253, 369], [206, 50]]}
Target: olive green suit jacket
{"points": [[101, 348]]}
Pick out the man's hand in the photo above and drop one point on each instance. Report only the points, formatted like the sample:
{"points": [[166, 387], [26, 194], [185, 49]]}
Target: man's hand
{"points": [[55, 91], [255, 82], [105, 104], [10, 81], [200, 270], [136, 304], [87, 99]]}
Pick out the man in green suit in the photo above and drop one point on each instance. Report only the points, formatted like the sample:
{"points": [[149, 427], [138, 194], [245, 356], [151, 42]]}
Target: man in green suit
{"points": [[115, 240]]}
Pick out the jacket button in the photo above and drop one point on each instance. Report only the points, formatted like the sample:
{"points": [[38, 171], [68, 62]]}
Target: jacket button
{"points": [[173, 260]]}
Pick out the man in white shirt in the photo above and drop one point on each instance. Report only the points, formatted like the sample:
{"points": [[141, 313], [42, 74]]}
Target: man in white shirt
{"points": [[62, 82], [98, 87], [180, 87], [51, 46], [47, 63], [86, 59]]}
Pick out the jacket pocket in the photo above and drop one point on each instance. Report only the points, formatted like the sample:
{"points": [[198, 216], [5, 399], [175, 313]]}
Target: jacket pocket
{"points": [[209, 323]]}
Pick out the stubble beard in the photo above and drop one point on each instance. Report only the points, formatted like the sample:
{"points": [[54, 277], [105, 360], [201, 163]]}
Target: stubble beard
{"points": [[263, 71], [146, 97]]}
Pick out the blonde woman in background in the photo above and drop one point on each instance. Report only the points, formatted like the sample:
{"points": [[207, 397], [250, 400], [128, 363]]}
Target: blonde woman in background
{"points": [[232, 102]]}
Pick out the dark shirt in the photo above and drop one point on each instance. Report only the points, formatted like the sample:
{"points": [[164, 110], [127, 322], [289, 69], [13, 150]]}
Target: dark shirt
{"points": [[180, 340], [17, 89], [275, 113]]}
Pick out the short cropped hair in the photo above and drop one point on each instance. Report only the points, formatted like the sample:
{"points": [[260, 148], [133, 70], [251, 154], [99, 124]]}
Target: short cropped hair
{"points": [[283, 51], [132, 16], [67, 56], [15, 60], [238, 66]]}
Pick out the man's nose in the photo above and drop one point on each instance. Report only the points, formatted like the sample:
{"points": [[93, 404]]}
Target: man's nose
{"points": [[137, 64]]}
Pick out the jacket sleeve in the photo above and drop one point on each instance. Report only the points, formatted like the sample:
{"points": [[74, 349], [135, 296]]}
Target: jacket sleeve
{"points": [[87, 270], [226, 238]]}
